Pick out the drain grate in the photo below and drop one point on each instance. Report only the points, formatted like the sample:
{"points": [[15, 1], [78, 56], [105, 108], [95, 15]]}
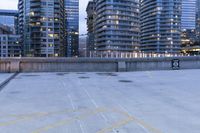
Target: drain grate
{"points": [[107, 74], [83, 77], [61, 74], [125, 81]]}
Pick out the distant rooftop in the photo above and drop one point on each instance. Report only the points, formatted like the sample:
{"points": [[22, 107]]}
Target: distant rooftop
{"points": [[8, 12]]}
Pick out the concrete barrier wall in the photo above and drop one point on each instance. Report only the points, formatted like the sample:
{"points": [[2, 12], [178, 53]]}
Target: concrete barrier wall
{"points": [[4, 66], [66, 67], [95, 64], [154, 65]]}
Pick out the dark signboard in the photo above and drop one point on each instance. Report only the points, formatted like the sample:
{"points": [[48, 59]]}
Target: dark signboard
{"points": [[175, 64]]}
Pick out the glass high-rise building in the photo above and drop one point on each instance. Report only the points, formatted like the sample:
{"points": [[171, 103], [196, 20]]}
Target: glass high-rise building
{"points": [[90, 27], [9, 45], [188, 22], [9, 41], [9, 18], [188, 18], [160, 25], [116, 25], [191, 26], [72, 27], [198, 20], [42, 27]]}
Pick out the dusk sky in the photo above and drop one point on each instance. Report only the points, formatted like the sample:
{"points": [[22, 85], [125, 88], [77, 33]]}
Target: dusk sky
{"points": [[12, 4]]}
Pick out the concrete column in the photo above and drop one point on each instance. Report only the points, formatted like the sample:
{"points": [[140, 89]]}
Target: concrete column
{"points": [[14, 66]]}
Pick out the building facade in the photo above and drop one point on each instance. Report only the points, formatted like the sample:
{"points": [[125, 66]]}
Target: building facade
{"points": [[72, 27], [42, 27], [9, 40], [188, 38], [83, 46], [90, 27], [9, 18], [9, 45], [190, 35], [198, 21], [188, 19], [188, 22], [116, 26], [160, 26], [5, 29]]}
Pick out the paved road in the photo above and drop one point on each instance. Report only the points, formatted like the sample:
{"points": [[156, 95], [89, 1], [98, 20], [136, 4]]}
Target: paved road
{"points": [[136, 102]]}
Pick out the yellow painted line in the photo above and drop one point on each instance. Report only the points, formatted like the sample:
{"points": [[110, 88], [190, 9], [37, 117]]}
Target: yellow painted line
{"points": [[21, 115], [116, 125], [128, 120], [119, 124], [26, 117], [20, 119], [147, 126], [68, 121]]}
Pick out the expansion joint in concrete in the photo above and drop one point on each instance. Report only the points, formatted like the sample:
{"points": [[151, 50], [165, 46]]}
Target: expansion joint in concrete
{"points": [[7, 81]]}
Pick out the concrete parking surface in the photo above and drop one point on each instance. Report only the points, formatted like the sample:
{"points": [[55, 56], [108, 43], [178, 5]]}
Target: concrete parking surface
{"points": [[134, 102], [4, 76]]}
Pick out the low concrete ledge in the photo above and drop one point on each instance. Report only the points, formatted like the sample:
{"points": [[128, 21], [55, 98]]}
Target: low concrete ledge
{"points": [[95, 64], [4, 66]]}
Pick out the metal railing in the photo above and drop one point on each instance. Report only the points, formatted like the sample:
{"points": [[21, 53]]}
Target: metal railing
{"points": [[134, 55]]}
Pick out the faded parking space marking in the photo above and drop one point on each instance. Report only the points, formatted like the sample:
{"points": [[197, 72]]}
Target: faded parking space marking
{"points": [[88, 113], [68, 121], [28, 117]]}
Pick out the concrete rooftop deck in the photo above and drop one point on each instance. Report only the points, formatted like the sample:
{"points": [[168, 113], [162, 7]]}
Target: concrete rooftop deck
{"points": [[137, 102], [4, 76]]}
